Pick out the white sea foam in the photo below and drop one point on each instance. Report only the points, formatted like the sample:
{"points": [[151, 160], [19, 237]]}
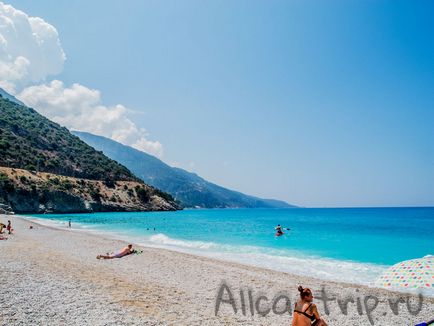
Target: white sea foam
{"points": [[289, 261], [163, 239], [51, 223], [293, 262], [281, 260]]}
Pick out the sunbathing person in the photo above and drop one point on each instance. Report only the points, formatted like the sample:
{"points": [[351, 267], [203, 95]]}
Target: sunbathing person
{"points": [[124, 252], [305, 312]]}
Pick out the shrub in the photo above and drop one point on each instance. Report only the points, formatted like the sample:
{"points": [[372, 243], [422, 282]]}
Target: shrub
{"points": [[142, 194], [4, 144], [109, 183], [3, 177], [95, 195], [9, 187], [164, 195], [55, 181], [6, 184], [67, 185], [30, 167]]}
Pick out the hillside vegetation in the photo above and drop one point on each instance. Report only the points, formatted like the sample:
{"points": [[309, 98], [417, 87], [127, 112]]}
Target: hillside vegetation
{"points": [[40, 192], [32, 142], [44, 168]]}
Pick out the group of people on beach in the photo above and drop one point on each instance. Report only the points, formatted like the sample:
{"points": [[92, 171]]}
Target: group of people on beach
{"points": [[8, 227], [305, 311]]}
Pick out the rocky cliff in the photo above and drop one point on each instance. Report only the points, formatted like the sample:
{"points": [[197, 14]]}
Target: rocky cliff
{"points": [[23, 191], [46, 169]]}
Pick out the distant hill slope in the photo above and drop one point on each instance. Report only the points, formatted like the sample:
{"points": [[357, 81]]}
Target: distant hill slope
{"points": [[31, 142], [190, 189], [8, 96]]}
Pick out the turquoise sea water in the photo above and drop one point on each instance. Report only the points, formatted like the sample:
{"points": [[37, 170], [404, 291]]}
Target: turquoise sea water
{"points": [[345, 244]]}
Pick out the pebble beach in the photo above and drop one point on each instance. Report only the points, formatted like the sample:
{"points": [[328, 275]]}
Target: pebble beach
{"points": [[50, 276]]}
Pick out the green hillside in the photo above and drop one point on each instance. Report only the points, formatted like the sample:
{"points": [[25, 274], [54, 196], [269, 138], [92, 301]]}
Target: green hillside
{"points": [[46, 169], [32, 142]]}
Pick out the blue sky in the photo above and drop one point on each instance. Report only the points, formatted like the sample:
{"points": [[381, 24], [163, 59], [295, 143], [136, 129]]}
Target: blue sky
{"points": [[317, 103]]}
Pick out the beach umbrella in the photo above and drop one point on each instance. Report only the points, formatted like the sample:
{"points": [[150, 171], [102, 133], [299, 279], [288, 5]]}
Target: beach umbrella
{"points": [[413, 274], [426, 324]]}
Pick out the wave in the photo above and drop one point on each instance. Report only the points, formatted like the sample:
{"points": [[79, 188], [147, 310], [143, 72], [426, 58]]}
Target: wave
{"points": [[57, 224], [289, 261], [163, 239], [280, 260]]}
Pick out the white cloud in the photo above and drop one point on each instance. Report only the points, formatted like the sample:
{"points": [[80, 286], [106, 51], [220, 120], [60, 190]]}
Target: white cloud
{"points": [[80, 108], [30, 49]]}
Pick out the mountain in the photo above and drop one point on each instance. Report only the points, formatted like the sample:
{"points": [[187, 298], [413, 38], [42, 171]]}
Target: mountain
{"points": [[190, 189], [8, 96], [44, 164]]}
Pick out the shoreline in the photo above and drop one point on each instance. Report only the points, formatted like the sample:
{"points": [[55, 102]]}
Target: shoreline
{"points": [[161, 281], [108, 236], [223, 256]]}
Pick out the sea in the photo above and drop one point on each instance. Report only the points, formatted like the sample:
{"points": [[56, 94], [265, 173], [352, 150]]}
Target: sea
{"points": [[354, 245]]}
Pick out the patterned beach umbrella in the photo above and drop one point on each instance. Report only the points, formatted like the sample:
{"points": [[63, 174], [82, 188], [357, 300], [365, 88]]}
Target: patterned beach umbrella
{"points": [[414, 274]]}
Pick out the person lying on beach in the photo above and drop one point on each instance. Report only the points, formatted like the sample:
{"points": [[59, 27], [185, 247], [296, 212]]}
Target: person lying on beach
{"points": [[128, 250], [305, 311]]}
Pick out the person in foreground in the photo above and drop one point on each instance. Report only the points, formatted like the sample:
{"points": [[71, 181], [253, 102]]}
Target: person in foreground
{"points": [[306, 312], [128, 250]]}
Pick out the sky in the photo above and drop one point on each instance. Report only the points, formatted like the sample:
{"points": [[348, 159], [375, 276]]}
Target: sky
{"points": [[320, 104]]}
